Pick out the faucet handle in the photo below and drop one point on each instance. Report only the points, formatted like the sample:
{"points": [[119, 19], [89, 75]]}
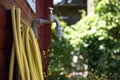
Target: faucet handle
{"points": [[51, 9]]}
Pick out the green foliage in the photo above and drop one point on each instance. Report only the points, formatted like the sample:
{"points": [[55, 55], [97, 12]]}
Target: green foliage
{"points": [[59, 57], [97, 38]]}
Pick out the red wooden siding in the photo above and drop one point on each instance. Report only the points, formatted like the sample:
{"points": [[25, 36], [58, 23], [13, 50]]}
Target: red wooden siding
{"points": [[5, 42], [45, 33]]}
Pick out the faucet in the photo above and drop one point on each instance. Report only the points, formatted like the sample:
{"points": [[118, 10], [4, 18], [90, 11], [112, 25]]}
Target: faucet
{"points": [[52, 18]]}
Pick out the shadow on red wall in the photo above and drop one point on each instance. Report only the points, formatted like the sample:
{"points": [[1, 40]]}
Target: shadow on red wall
{"points": [[5, 43]]}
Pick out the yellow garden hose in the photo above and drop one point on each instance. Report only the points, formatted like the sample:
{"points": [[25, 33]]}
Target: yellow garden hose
{"points": [[26, 49], [11, 63]]}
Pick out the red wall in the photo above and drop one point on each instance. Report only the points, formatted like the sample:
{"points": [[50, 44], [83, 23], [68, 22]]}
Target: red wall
{"points": [[6, 31], [5, 44], [45, 33]]}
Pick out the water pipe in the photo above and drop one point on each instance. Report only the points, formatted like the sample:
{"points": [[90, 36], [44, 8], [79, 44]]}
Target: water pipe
{"points": [[52, 18]]}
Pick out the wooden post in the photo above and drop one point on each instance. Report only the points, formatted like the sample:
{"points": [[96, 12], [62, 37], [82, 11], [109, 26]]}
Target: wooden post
{"points": [[90, 5]]}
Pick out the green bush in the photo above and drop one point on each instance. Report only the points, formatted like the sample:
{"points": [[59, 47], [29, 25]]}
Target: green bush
{"points": [[59, 57], [97, 38]]}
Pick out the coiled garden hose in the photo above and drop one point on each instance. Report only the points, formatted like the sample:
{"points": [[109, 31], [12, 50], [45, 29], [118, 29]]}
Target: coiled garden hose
{"points": [[26, 50]]}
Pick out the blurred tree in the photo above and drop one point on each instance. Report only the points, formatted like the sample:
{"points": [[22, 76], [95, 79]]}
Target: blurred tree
{"points": [[94, 41], [68, 10]]}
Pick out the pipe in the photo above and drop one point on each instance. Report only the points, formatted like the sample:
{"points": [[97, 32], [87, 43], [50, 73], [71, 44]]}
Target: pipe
{"points": [[52, 18], [37, 22]]}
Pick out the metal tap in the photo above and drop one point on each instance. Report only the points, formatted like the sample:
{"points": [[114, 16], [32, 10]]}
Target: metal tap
{"points": [[58, 27], [52, 18]]}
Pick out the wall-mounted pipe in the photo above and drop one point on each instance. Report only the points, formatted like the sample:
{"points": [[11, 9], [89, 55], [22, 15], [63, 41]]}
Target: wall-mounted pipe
{"points": [[52, 18], [37, 22]]}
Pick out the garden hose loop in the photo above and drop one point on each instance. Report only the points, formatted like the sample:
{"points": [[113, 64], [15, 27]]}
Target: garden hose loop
{"points": [[26, 49]]}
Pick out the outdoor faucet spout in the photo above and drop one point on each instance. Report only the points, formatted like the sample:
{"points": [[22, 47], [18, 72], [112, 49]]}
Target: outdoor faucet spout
{"points": [[58, 27], [52, 18]]}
